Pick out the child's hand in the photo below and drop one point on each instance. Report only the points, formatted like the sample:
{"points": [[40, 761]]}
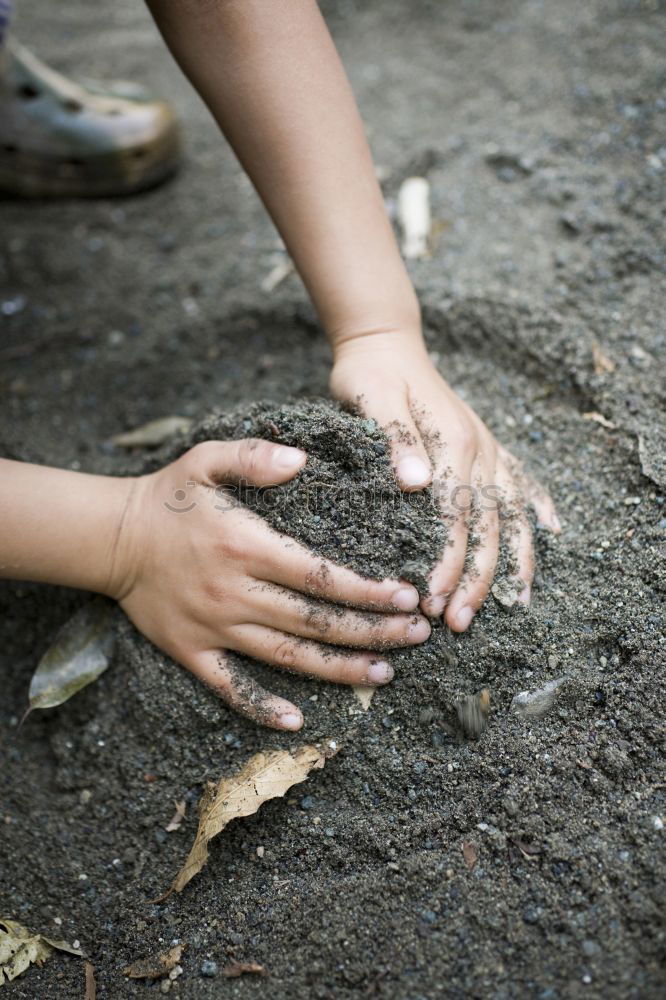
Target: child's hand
{"points": [[202, 576], [392, 378]]}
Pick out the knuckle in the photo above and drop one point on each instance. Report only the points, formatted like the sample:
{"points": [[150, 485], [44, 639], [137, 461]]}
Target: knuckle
{"points": [[285, 653], [348, 669]]}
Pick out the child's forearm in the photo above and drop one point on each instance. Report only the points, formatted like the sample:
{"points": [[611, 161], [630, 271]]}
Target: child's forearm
{"points": [[270, 74], [62, 527]]}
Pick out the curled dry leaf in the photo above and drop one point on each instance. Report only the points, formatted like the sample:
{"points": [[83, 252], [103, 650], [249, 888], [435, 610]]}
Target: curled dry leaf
{"points": [[178, 816], [265, 776], [473, 713], [19, 949], [470, 854], [155, 966], [234, 969], [364, 695], [81, 651], [154, 433]]}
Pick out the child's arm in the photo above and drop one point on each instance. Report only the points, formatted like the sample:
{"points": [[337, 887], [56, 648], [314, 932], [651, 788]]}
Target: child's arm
{"points": [[203, 578], [270, 74]]}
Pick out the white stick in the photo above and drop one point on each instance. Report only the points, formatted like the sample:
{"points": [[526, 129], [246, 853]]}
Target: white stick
{"points": [[414, 216]]}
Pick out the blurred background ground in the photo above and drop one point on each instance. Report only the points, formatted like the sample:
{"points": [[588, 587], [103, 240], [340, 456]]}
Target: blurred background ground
{"points": [[543, 131]]}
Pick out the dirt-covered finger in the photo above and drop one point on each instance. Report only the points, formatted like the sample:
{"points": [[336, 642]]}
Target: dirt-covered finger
{"points": [[516, 533], [310, 618], [479, 571], [220, 671], [283, 561], [305, 656], [534, 493]]}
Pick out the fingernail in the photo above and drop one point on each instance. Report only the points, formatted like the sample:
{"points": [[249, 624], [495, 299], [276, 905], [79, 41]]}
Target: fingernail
{"points": [[525, 594], [555, 521], [380, 673], [405, 599], [464, 617], [291, 720], [413, 471], [419, 631], [287, 458]]}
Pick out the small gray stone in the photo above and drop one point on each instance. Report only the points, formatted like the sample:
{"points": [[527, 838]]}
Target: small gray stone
{"points": [[208, 968], [536, 704]]}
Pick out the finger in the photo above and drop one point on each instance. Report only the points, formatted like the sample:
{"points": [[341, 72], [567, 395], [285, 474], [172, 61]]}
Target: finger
{"points": [[329, 663], [517, 533], [408, 454], [257, 462], [219, 670], [309, 618], [477, 577], [534, 493], [455, 503], [282, 560]]}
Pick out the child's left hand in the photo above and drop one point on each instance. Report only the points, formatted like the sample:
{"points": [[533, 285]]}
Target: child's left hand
{"points": [[480, 486]]}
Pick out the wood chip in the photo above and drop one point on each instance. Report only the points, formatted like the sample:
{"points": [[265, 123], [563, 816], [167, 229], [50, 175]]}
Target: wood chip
{"points": [[470, 854], [599, 418], [178, 816], [91, 985], [235, 969], [364, 695], [155, 966]]}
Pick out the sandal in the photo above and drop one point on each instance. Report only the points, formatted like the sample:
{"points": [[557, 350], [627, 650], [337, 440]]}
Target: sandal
{"points": [[61, 139]]}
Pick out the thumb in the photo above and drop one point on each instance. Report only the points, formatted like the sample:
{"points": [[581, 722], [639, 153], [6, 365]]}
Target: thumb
{"points": [[260, 463]]}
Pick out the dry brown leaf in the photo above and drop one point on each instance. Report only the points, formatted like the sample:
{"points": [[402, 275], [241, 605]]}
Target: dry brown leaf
{"points": [[265, 776], [155, 966], [178, 816], [91, 985], [234, 969], [602, 364], [19, 949], [470, 853], [364, 695], [599, 418]]}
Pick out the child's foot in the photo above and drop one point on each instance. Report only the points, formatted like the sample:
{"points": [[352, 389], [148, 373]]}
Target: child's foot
{"points": [[61, 139]]}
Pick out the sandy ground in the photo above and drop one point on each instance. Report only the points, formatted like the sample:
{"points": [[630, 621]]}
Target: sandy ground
{"points": [[543, 131]]}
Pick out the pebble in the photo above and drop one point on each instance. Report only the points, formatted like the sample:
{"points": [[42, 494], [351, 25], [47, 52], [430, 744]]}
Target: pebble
{"points": [[307, 802], [531, 915], [536, 704], [208, 968], [10, 307], [504, 593]]}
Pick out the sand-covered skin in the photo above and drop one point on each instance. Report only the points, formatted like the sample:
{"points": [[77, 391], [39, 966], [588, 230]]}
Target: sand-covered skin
{"points": [[544, 303]]}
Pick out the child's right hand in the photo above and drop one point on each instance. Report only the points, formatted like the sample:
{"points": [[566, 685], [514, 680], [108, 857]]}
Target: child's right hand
{"points": [[202, 577]]}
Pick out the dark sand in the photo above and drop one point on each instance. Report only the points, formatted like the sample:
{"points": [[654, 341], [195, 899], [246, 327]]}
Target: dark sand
{"points": [[543, 127]]}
